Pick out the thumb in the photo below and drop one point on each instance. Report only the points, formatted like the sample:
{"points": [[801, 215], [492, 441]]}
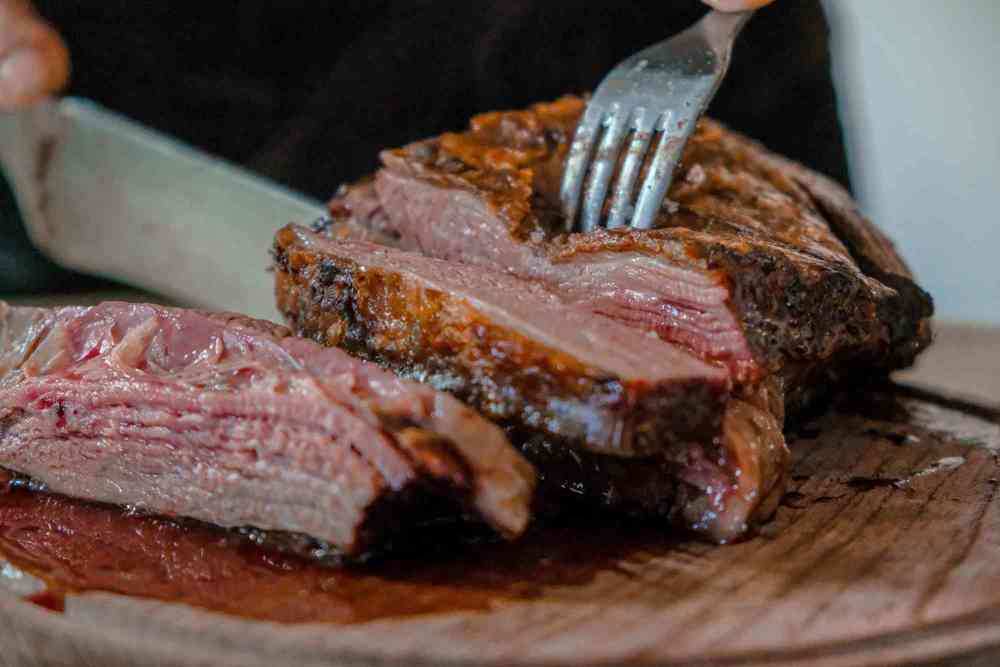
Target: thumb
{"points": [[736, 5], [34, 61]]}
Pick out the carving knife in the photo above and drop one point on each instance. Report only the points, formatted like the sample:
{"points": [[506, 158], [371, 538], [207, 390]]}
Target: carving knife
{"points": [[104, 195]]}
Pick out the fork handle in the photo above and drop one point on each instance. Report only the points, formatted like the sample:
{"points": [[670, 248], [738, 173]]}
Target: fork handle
{"points": [[721, 28]]}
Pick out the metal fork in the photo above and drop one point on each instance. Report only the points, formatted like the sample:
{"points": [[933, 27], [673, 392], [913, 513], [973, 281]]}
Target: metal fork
{"points": [[662, 89]]}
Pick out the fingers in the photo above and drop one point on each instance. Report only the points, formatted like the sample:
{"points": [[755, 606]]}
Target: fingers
{"points": [[736, 5], [33, 59]]}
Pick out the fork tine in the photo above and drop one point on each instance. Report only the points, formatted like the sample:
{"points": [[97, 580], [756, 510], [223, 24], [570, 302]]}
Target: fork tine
{"points": [[679, 75], [577, 161], [636, 155], [654, 186], [603, 168]]}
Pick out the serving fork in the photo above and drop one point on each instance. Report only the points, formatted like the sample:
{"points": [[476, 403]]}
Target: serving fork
{"points": [[662, 91]]}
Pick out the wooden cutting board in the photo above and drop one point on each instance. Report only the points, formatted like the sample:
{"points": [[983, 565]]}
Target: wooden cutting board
{"points": [[885, 551]]}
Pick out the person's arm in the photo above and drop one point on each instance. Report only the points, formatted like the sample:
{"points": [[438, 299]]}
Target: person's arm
{"points": [[34, 61]]}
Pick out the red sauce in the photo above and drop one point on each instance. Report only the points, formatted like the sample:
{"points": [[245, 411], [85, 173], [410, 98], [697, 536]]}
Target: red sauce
{"points": [[76, 546]]}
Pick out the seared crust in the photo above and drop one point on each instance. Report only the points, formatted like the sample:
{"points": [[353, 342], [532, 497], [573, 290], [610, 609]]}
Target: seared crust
{"points": [[909, 311], [814, 283], [518, 382], [685, 450]]}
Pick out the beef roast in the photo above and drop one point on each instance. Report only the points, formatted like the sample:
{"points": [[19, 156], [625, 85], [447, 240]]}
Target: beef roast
{"points": [[606, 410], [237, 423], [760, 269], [757, 263]]}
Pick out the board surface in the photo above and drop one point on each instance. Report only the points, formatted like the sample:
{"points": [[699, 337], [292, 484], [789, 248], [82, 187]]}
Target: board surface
{"points": [[883, 552]]}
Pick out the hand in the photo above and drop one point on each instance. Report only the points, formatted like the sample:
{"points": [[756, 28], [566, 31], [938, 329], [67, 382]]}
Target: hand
{"points": [[736, 5], [34, 61]]}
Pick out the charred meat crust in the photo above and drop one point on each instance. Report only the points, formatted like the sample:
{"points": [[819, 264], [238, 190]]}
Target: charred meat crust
{"points": [[908, 312], [429, 336], [806, 320], [710, 482], [835, 293], [822, 322], [906, 309]]}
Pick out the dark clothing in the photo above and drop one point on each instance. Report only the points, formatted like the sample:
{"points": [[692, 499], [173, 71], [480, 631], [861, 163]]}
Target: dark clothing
{"points": [[308, 92]]}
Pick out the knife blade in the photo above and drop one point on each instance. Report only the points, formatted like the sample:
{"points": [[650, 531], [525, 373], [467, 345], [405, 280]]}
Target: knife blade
{"points": [[104, 195]]}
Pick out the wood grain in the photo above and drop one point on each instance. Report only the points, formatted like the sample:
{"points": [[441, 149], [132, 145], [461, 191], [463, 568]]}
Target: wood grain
{"points": [[883, 552]]}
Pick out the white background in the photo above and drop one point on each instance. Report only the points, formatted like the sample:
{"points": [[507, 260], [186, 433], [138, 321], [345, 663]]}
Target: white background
{"points": [[918, 83]]}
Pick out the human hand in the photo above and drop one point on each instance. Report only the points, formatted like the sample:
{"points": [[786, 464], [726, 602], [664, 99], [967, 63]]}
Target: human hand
{"points": [[34, 61], [736, 5]]}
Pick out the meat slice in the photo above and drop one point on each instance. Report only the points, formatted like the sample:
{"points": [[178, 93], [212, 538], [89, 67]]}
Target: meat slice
{"points": [[606, 411], [757, 264], [236, 422], [668, 292], [763, 270], [520, 354]]}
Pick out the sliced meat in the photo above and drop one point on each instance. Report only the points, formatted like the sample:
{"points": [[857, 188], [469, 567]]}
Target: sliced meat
{"points": [[717, 488], [235, 422], [673, 295], [605, 410], [520, 354], [759, 268], [669, 292], [758, 263]]}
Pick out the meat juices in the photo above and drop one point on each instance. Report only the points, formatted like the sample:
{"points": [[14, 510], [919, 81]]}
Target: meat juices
{"points": [[760, 270], [235, 422]]}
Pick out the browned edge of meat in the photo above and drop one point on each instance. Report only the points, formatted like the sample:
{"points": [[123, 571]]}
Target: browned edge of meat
{"points": [[717, 479], [819, 292], [908, 315], [363, 302]]}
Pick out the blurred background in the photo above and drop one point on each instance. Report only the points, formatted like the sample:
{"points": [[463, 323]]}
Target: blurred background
{"points": [[917, 87]]}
